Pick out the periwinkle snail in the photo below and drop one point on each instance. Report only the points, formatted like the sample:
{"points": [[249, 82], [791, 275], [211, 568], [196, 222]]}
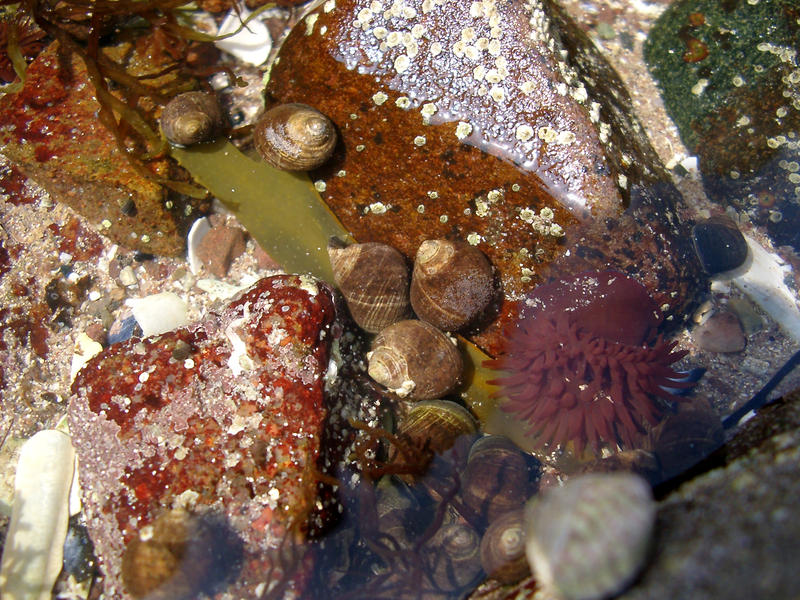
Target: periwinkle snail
{"points": [[454, 556], [414, 359], [439, 423], [191, 118], [503, 548], [373, 279], [294, 137], [452, 283]]}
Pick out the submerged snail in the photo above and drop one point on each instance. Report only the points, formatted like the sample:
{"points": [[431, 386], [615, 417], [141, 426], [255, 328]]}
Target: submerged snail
{"points": [[373, 279], [454, 556], [180, 556], [413, 358], [497, 477], [294, 137], [452, 283], [191, 118], [503, 548], [439, 422]]}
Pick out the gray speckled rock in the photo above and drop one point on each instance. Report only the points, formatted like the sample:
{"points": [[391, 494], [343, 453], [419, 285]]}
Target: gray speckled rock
{"points": [[733, 532]]}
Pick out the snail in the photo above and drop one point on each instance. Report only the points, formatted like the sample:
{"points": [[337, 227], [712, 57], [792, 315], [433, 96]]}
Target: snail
{"points": [[180, 556], [588, 539], [294, 137], [191, 118], [414, 359], [503, 548], [439, 422], [373, 279], [496, 479], [454, 556], [452, 283]]}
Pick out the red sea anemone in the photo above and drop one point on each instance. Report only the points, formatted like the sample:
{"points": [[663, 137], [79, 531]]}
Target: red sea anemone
{"points": [[579, 368]]}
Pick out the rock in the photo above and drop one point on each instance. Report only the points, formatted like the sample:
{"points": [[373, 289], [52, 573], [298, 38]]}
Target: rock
{"points": [[731, 82], [722, 332], [221, 420], [220, 247], [52, 134], [494, 123]]}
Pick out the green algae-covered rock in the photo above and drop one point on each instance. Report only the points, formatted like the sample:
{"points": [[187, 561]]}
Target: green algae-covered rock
{"points": [[729, 75]]}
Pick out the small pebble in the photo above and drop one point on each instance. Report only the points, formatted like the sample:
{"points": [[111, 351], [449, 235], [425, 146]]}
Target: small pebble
{"points": [[220, 247], [748, 316], [721, 332]]}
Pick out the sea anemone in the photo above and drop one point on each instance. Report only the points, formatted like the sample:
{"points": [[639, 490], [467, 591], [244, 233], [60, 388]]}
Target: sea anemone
{"points": [[578, 367]]}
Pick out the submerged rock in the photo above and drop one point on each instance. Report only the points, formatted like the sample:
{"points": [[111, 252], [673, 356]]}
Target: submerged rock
{"points": [[52, 133], [494, 123], [219, 425]]}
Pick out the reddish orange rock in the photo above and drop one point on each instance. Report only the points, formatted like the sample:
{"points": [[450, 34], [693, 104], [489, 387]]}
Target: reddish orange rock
{"points": [[223, 419], [497, 123], [51, 132]]}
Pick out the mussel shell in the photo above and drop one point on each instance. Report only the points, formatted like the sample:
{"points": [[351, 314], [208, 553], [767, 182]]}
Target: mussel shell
{"points": [[294, 137], [191, 118], [373, 279], [719, 244], [439, 422], [452, 283], [503, 548], [588, 539], [414, 359], [497, 477]]}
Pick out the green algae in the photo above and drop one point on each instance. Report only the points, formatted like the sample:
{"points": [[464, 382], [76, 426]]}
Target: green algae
{"points": [[281, 210]]}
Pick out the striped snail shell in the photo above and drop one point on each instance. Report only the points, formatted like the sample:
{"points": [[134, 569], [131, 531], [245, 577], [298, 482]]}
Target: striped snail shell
{"points": [[294, 137], [191, 118]]}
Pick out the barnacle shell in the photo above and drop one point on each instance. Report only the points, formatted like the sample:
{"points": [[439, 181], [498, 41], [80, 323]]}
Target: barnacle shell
{"points": [[191, 117], [413, 358], [441, 422], [588, 539], [503, 548], [452, 283], [373, 279], [294, 137], [496, 479], [454, 556]]}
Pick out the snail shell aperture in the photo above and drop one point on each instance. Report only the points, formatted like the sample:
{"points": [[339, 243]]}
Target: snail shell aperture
{"points": [[294, 137], [413, 358], [191, 117], [452, 283], [373, 279]]}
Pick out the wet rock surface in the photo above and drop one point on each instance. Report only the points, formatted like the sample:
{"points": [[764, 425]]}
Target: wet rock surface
{"points": [[52, 134], [730, 80], [221, 421], [497, 124]]}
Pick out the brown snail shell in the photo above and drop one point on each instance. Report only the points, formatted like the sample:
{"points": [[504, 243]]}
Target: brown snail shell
{"points": [[454, 556], [294, 137], [503, 548], [179, 556], [452, 283], [414, 359], [439, 422], [191, 118], [373, 279], [497, 478]]}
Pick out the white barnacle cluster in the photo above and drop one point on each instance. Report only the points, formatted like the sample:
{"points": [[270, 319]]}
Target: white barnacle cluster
{"points": [[542, 222]]}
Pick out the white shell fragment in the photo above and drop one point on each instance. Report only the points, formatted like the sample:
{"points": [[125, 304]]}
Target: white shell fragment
{"points": [[762, 278], [159, 313], [252, 43], [85, 349], [33, 551], [197, 232], [588, 539]]}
